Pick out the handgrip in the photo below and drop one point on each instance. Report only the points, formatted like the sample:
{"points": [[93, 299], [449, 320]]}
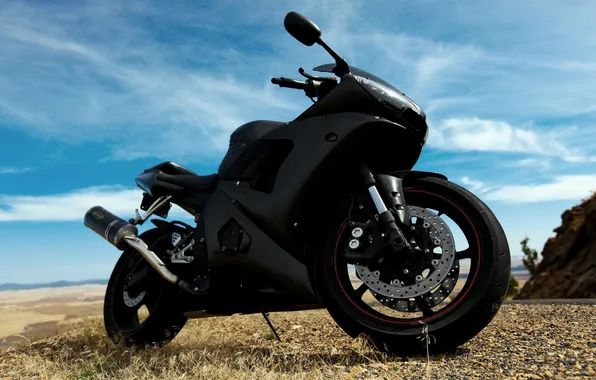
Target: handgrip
{"points": [[290, 83]]}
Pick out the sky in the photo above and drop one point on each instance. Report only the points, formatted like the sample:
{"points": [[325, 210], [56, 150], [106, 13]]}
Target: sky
{"points": [[92, 93]]}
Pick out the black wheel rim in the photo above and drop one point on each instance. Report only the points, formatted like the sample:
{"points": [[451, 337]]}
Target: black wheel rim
{"points": [[429, 200], [136, 277]]}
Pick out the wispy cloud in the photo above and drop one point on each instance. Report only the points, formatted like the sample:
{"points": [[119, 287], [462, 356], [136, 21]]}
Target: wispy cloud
{"points": [[559, 188], [177, 95], [474, 134], [71, 206], [115, 81], [474, 185], [13, 170], [541, 164]]}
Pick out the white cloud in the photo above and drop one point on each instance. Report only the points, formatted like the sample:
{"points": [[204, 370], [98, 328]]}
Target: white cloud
{"points": [[73, 205], [474, 134], [475, 186], [563, 187], [13, 170], [542, 164]]}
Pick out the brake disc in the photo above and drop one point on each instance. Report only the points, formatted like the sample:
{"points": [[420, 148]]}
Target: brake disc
{"points": [[441, 236], [432, 298], [133, 301]]}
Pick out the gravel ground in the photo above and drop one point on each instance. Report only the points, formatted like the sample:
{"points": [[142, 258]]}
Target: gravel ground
{"points": [[532, 341], [524, 341], [560, 301]]}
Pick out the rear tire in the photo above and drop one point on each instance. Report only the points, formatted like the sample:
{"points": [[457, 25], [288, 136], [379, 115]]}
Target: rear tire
{"points": [[450, 328], [165, 319]]}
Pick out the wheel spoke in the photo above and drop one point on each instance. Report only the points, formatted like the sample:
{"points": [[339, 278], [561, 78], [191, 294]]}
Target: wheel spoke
{"points": [[139, 280], [136, 307], [152, 296], [465, 254], [361, 290], [426, 310]]}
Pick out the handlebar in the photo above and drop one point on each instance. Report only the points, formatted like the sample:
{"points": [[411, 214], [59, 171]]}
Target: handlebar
{"points": [[290, 83], [313, 86]]}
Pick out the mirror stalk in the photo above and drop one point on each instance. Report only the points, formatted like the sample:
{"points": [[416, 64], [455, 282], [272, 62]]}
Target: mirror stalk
{"points": [[341, 66]]}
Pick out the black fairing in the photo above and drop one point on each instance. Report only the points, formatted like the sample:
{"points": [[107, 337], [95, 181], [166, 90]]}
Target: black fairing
{"points": [[405, 111], [348, 96]]}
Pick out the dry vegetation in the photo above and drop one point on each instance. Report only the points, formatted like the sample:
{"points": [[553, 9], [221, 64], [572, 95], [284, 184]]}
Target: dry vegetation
{"points": [[531, 341], [31, 314], [34, 313]]}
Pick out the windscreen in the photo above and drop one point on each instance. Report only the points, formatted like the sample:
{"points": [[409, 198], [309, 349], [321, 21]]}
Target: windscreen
{"points": [[328, 68]]}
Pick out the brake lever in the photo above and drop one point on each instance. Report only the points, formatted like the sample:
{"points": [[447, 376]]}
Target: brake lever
{"points": [[312, 77]]}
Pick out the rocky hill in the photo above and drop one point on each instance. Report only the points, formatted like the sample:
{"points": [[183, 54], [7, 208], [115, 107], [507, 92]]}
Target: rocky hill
{"points": [[568, 266]]}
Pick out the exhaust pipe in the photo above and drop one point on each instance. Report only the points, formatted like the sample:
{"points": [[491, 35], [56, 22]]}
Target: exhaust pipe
{"points": [[122, 235], [138, 244]]}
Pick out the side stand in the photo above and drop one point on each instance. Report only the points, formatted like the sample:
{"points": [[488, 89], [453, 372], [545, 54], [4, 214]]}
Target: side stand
{"points": [[266, 315]]}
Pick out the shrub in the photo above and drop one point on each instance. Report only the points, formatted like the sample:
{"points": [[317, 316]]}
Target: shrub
{"points": [[530, 259], [513, 287]]}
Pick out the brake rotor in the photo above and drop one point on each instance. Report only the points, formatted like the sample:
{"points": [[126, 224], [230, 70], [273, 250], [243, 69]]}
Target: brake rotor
{"points": [[441, 236], [432, 298], [133, 301]]}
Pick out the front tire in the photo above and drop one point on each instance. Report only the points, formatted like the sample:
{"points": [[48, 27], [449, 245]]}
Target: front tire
{"points": [[123, 303], [453, 325]]}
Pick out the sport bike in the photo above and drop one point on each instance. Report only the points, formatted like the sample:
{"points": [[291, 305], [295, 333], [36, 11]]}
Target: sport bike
{"points": [[323, 211]]}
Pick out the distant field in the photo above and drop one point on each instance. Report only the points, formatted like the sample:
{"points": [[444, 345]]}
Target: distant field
{"points": [[36, 313]]}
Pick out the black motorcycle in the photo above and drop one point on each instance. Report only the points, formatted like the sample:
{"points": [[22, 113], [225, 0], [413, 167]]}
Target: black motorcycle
{"points": [[324, 211]]}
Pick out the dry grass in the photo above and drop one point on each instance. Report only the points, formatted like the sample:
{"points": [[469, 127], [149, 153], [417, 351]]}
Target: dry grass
{"points": [[35, 313], [523, 341]]}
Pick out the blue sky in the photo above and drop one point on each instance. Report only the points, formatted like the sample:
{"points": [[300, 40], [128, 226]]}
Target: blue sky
{"points": [[91, 93]]}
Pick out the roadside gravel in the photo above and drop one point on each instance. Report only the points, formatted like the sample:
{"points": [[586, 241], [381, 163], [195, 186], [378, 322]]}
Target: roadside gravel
{"points": [[524, 341]]}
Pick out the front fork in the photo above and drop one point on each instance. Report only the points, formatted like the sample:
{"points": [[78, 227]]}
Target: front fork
{"points": [[390, 194]]}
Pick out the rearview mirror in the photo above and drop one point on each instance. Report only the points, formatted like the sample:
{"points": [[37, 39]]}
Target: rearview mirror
{"points": [[302, 28]]}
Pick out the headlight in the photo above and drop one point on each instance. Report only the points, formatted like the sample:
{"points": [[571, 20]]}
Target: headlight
{"points": [[387, 94]]}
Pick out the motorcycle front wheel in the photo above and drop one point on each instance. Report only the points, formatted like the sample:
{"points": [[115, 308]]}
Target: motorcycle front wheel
{"points": [[431, 317]]}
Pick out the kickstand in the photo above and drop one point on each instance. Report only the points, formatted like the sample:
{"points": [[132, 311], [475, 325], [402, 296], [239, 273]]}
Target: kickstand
{"points": [[266, 315]]}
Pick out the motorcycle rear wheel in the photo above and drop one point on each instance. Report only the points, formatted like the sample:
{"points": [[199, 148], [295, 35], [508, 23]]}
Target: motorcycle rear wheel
{"points": [[123, 312], [454, 324]]}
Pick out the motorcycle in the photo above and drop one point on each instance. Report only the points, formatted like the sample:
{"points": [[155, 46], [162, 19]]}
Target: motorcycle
{"points": [[312, 214]]}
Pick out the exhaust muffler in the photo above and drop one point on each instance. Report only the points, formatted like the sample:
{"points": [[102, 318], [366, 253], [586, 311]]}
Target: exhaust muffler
{"points": [[109, 226], [121, 234]]}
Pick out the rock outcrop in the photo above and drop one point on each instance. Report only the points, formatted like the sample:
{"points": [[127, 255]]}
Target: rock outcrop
{"points": [[568, 266]]}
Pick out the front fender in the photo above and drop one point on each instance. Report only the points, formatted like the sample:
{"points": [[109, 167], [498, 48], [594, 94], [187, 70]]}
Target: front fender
{"points": [[411, 175], [391, 185]]}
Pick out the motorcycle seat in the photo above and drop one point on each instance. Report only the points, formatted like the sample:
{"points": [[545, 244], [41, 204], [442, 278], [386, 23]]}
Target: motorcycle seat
{"points": [[198, 183], [183, 177]]}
